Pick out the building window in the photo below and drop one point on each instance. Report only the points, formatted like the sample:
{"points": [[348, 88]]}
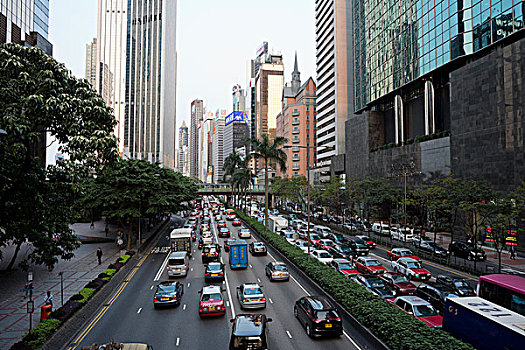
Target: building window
{"points": [[308, 108], [295, 121], [295, 130], [295, 173]]}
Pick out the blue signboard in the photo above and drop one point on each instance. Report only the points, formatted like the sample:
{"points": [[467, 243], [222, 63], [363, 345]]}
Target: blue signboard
{"points": [[234, 116]]}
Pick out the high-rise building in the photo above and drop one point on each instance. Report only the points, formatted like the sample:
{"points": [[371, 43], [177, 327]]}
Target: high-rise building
{"points": [[253, 69], [269, 85], [91, 63], [151, 76], [334, 77], [439, 89], [297, 122], [25, 22], [217, 147], [110, 62], [197, 115], [236, 129], [183, 145], [204, 151]]}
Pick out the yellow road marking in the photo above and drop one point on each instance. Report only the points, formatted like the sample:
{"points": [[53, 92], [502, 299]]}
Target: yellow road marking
{"points": [[101, 313], [441, 267]]}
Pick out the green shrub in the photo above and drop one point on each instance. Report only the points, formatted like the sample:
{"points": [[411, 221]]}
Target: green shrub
{"points": [[42, 332], [110, 272], [395, 328], [123, 258], [84, 295]]}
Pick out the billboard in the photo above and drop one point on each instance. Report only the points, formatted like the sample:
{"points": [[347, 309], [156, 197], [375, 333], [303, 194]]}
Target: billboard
{"points": [[262, 49], [234, 116]]}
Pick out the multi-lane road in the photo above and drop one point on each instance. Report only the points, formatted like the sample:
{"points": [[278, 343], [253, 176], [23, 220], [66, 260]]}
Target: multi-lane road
{"points": [[129, 315]]}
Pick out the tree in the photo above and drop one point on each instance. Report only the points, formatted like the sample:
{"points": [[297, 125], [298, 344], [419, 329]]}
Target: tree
{"points": [[243, 179], [292, 189], [133, 189], [39, 96], [231, 164], [269, 152]]}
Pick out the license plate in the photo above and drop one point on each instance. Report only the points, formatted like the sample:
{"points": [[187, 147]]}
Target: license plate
{"points": [[214, 274], [212, 308], [280, 275], [164, 299], [254, 299], [328, 325]]}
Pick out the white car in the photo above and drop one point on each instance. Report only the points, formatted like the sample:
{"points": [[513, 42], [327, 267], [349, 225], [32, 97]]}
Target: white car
{"points": [[380, 229], [322, 255], [303, 245], [401, 234], [245, 233], [411, 268]]}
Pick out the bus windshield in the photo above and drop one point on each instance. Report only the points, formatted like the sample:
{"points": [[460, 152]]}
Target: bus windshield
{"points": [[505, 290]]}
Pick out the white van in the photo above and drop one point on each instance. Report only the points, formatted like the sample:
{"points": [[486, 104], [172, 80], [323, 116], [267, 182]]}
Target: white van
{"points": [[178, 264], [380, 229], [322, 231]]}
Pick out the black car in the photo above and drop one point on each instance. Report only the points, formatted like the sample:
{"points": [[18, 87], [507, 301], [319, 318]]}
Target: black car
{"points": [[318, 316], [249, 331], [460, 285], [337, 238], [433, 247], [343, 251], [376, 286], [358, 245], [210, 252], [436, 294], [466, 251], [214, 272], [168, 293]]}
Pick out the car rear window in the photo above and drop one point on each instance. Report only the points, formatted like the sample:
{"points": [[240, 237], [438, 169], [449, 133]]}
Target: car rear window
{"points": [[212, 297], [280, 268], [252, 291], [326, 314], [166, 289], [176, 261], [214, 267]]}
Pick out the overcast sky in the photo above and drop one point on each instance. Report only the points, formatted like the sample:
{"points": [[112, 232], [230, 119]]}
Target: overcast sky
{"points": [[215, 39]]}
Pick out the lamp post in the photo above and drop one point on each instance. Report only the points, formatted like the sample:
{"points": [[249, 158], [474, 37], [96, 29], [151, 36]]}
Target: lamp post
{"points": [[308, 147], [405, 169]]}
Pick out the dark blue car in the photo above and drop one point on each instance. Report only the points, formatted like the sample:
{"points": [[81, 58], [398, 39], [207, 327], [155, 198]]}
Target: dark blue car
{"points": [[168, 293]]}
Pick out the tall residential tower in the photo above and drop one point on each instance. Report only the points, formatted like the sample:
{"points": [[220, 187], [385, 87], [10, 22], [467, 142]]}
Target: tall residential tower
{"points": [[197, 115]]}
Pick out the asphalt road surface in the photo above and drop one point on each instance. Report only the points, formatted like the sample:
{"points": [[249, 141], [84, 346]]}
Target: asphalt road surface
{"points": [[129, 315]]}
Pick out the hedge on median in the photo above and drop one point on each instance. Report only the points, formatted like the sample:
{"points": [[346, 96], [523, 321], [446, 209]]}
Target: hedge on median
{"points": [[396, 329], [45, 329]]}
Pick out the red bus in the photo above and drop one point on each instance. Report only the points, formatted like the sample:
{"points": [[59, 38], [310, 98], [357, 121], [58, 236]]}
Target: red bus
{"points": [[504, 290]]}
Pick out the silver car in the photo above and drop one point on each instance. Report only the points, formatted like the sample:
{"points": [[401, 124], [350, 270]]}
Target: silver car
{"points": [[251, 296]]}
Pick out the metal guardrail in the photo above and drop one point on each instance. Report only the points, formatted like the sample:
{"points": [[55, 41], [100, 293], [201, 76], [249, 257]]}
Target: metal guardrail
{"points": [[221, 188]]}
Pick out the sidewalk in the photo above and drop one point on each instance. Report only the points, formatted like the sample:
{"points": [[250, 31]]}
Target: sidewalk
{"points": [[77, 272]]}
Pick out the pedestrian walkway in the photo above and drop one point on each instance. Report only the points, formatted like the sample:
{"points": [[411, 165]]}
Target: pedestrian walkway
{"points": [[76, 273]]}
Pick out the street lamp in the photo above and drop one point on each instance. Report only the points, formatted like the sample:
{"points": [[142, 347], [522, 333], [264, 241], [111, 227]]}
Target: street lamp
{"points": [[308, 147], [405, 169]]}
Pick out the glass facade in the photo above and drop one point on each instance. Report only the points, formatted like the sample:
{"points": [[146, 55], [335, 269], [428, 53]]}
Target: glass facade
{"points": [[41, 17], [397, 41]]}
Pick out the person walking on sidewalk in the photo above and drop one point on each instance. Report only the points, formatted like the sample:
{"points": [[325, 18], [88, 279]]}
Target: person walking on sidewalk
{"points": [[99, 255], [49, 299], [512, 253]]}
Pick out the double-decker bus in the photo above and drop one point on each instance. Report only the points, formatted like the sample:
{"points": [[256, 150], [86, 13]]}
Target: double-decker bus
{"points": [[504, 290], [230, 214]]}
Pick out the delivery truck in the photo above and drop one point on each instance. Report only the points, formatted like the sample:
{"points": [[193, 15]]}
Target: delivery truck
{"points": [[485, 325], [238, 254], [180, 240], [277, 224]]}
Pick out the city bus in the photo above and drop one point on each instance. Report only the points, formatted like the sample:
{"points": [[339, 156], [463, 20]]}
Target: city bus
{"points": [[230, 214], [504, 290]]}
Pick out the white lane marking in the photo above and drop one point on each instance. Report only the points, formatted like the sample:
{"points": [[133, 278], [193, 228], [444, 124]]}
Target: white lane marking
{"points": [[258, 280], [304, 290], [178, 341], [227, 303], [251, 267], [184, 307], [162, 267], [191, 269], [225, 275], [193, 258], [223, 282], [151, 287], [289, 335], [139, 310], [271, 301], [189, 284]]}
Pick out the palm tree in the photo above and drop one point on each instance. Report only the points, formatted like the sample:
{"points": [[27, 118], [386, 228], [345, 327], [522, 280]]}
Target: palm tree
{"points": [[243, 178], [268, 151], [231, 164]]}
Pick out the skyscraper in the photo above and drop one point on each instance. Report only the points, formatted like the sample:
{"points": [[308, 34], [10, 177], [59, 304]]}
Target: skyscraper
{"points": [[236, 129], [183, 146], [217, 147], [110, 66], [25, 22], [269, 88], [334, 77], [151, 76], [197, 114], [91, 63]]}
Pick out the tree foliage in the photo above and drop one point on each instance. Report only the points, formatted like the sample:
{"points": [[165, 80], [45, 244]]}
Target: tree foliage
{"points": [[40, 95], [133, 189]]}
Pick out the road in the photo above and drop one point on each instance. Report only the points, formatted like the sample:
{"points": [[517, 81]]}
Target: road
{"points": [[129, 316]]}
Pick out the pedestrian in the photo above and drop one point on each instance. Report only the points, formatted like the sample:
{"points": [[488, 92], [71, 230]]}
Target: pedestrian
{"points": [[27, 287], [49, 299], [512, 253], [99, 255], [92, 226]]}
